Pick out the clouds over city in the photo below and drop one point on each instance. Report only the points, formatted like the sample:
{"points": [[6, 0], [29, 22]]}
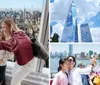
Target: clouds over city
{"points": [[59, 10], [95, 32], [58, 28], [87, 11], [85, 8]]}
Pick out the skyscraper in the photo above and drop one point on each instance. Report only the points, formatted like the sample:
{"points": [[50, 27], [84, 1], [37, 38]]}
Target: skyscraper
{"points": [[70, 49], [70, 32], [82, 54], [51, 30], [85, 33]]}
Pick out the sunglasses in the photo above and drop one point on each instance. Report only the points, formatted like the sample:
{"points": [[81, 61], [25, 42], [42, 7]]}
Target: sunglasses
{"points": [[70, 60]]}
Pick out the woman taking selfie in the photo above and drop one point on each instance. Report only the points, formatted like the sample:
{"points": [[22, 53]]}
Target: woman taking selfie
{"points": [[76, 72]]}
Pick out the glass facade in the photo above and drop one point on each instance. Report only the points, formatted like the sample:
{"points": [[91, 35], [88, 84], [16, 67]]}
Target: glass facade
{"points": [[85, 33], [70, 28], [51, 30]]}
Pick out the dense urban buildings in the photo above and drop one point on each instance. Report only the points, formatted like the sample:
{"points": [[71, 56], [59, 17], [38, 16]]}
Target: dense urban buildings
{"points": [[27, 20]]}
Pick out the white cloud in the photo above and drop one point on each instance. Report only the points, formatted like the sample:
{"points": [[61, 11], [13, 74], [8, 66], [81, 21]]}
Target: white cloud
{"points": [[90, 24], [95, 32], [58, 28], [59, 9], [86, 8], [56, 1]]}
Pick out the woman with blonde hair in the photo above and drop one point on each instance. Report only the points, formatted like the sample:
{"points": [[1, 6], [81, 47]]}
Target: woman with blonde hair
{"points": [[20, 45]]}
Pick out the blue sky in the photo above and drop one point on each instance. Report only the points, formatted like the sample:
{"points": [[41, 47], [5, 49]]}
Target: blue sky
{"points": [[88, 11], [51, 1], [77, 48], [37, 4]]}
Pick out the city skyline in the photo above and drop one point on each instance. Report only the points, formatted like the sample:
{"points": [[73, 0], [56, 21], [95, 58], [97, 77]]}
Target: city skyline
{"points": [[77, 48], [84, 15], [21, 4]]}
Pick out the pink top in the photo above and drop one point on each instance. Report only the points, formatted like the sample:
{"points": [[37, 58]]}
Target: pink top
{"points": [[60, 79]]}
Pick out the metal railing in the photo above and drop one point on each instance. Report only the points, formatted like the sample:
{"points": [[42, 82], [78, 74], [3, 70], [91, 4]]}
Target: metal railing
{"points": [[52, 74]]}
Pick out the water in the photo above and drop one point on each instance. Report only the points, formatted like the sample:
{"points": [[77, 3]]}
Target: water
{"points": [[54, 63]]}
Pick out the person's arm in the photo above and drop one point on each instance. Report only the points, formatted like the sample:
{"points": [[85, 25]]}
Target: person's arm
{"points": [[1, 61], [86, 70], [4, 45], [9, 45], [90, 82], [96, 68]]}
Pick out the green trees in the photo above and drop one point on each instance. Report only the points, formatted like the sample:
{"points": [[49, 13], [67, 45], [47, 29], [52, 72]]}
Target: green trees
{"points": [[55, 38]]}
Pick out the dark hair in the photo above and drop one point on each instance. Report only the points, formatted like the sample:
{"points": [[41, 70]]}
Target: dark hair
{"points": [[61, 61], [73, 59], [93, 80]]}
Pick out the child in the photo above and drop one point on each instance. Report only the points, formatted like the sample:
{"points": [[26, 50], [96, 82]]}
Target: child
{"points": [[4, 55], [61, 77], [94, 78]]}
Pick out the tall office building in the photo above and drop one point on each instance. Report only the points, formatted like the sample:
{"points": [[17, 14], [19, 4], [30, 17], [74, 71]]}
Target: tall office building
{"points": [[65, 53], [70, 49], [82, 54], [51, 30], [70, 32], [85, 33], [24, 14]]}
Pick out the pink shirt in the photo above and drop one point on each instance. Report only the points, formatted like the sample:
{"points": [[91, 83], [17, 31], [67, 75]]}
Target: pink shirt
{"points": [[60, 79]]}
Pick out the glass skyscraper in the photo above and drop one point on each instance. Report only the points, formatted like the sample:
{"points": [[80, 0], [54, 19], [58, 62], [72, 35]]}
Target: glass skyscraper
{"points": [[51, 30], [85, 33], [70, 32], [70, 49]]}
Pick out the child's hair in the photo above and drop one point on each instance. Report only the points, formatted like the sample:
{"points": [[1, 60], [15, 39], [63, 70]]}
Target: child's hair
{"points": [[61, 61]]}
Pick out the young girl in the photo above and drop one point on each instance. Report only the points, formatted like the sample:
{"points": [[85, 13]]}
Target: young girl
{"points": [[20, 45], [2, 64], [94, 78], [61, 76], [4, 55]]}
